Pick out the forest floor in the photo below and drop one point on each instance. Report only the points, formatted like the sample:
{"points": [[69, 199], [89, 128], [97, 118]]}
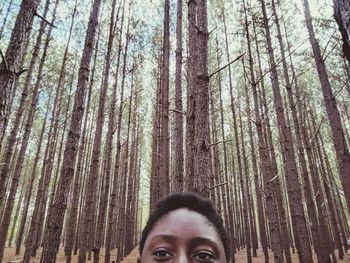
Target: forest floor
{"points": [[9, 256]]}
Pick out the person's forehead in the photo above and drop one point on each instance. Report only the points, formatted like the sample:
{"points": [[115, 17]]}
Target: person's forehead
{"points": [[183, 218]]}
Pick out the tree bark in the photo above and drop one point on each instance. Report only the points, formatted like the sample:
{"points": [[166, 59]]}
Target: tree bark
{"points": [[154, 186], [164, 178], [201, 158], [178, 132], [191, 104]]}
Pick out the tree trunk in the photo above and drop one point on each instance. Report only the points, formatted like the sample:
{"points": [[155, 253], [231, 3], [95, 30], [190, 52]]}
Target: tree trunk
{"points": [[226, 189], [191, 105], [95, 159], [31, 182], [122, 223], [60, 203], [340, 235], [234, 233], [340, 146], [15, 217], [9, 67], [201, 158], [72, 216], [342, 17], [154, 187], [262, 146], [108, 148], [293, 184], [129, 215], [113, 196], [268, 160], [178, 132], [5, 18], [85, 163], [164, 179], [25, 139], [7, 84]]}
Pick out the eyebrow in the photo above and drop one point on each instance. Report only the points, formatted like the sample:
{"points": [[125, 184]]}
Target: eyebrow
{"points": [[165, 237], [200, 240], [193, 241]]}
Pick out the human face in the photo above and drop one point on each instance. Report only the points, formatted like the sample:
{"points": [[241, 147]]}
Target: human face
{"points": [[183, 236]]}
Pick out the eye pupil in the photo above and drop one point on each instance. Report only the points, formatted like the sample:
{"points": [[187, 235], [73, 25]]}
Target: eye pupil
{"points": [[162, 253], [202, 256]]}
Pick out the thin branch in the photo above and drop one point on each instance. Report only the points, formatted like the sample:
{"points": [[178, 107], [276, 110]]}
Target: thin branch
{"points": [[19, 73], [313, 137], [114, 130], [4, 59], [277, 63], [336, 44], [157, 154], [218, 185], [217, 71], [315, 196], [336, 94], [275, 177], [328, 42], [216, 143], [177, 111], [213, 30], [42, 18]]}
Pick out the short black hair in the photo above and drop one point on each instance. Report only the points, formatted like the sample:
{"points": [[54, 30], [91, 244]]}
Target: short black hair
{"points": [[192, 202]]}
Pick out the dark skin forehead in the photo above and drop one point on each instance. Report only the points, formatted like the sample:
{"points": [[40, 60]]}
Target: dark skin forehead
{"points": [[183, 232]]}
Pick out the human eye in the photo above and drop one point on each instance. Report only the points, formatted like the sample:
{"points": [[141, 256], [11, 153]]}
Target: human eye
{"points": [[162, 255], [204, 256]]}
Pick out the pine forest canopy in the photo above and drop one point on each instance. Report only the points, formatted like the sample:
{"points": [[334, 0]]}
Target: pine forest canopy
{"points": [[108, 106]]}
